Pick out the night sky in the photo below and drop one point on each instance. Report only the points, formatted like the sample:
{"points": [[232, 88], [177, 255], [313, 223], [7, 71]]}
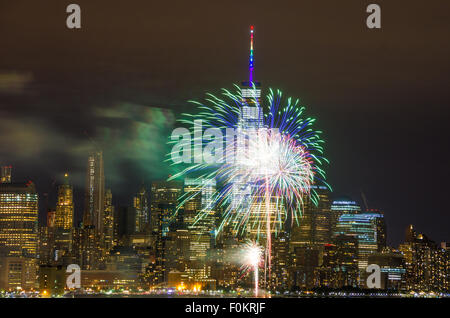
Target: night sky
{"points": [[381, 97]]}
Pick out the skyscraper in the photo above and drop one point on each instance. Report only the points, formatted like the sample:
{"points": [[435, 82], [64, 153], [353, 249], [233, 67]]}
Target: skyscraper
{"points": [[91, 235], [280, 262], [64, 206], [160, 273], [381, 231], [18, 219], [315, 224], [342, 205], [163, 192], [18, 235], [304, 261], [345, 204], [365, 227], [95, 192], [140, 203], [250, 126], [250, 120], [340, 263], [109, 221], [177, 250], [200, 229], [426, 263]]}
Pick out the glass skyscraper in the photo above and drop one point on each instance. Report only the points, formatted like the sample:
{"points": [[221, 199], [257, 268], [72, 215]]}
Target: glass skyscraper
{"points": [[18, 219], [365, 227]]}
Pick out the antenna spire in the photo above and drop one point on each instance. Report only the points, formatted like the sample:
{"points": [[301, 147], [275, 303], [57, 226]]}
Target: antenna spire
{"points": [[250, 62]]}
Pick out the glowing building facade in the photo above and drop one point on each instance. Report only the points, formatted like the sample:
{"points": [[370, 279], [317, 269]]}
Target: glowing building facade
{"points": [[18, 219], [426, 263], [314, 226], [342, 205], [64, 206], [17, 273], [280, 263], [109, 220], [201, 229], [140, 203], [364, 227], [18, 235]]}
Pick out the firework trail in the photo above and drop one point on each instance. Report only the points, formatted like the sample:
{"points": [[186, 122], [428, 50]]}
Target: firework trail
{"points": [[251, 259]]}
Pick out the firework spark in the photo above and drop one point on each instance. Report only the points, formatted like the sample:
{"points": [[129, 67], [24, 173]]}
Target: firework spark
{"points": [[252, 255]]}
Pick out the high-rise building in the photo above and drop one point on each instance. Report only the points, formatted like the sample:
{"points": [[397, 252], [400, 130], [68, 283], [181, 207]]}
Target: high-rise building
{"points": [[88, 248], [340, 263], [446, 250], [177, 250], [365, 226], [345, 205], [380, 225], [304, 262], [199, 216], [18, 219], [163, 192], [62, 227], [91, 235], [314, 226], [426, 263], [250, 123], [5, 174], [140, 203], [95, 192], [280, 262], [251, 115], [159, 269], [46, 238], [226, 270], [18, 235], [342, 205], [64, 206], [109, 221], [46, 245]]}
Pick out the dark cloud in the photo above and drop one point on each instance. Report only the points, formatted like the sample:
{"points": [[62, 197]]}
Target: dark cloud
{"points": [[14, 82]]}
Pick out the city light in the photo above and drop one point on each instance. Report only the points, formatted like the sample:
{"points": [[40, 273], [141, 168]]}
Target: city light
{"points": [[236, 204]]}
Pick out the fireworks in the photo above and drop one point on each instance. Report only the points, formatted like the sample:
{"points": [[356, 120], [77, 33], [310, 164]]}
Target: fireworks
{"points": [[277, 172], [252, 254], [264, 173], [266, 168]]}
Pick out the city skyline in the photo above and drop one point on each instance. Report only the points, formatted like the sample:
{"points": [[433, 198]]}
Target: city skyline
{"points": [[343, 189], [329, 249], [376, 102]]}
